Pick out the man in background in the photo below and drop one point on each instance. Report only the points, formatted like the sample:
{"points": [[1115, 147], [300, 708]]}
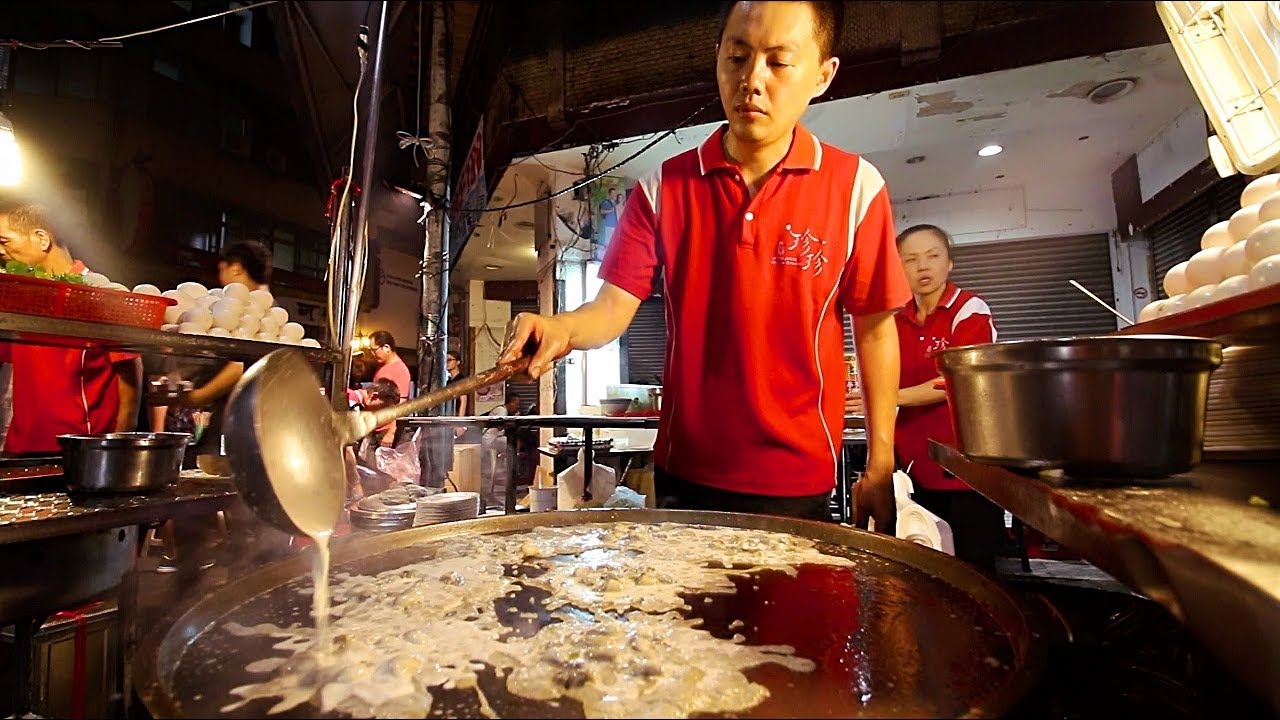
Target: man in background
{"points": [[60, 390]]}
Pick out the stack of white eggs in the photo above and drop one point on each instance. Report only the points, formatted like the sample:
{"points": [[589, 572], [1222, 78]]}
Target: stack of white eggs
{"points": [[231, 311], [1236, 255]]}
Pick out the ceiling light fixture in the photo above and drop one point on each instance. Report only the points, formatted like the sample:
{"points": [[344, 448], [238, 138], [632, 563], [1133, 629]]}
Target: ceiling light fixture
{"points": [[1111, 90], [915, 159], [492, 267], [10, 157], [990, 150]]}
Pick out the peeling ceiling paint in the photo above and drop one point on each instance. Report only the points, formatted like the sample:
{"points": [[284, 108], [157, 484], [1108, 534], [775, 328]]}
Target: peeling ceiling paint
{"points": [[943, 103]]}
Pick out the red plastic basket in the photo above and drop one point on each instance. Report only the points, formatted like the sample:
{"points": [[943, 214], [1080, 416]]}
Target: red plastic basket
{"points": [[38, 296]]}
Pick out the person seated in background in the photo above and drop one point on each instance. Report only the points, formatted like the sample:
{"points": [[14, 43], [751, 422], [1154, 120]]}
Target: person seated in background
{"points": [[60, 390], [363, 452]]}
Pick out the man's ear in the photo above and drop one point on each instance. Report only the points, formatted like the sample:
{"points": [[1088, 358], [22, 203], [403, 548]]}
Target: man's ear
{"points": [[826, 73], [46, 240]]}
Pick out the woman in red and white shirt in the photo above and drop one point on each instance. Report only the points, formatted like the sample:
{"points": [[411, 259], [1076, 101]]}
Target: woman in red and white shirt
{"points": [[938, 316]]}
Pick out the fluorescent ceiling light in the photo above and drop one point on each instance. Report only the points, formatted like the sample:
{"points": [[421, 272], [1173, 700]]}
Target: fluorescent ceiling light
{"points": [[990, 150], [10, 157]]}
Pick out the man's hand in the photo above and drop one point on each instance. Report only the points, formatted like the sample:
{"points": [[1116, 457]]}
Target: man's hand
{"points": [[873, 498], [545, 338]]}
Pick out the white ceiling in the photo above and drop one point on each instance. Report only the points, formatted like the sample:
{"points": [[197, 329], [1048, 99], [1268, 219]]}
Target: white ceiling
{"points": [[1039, 114]]}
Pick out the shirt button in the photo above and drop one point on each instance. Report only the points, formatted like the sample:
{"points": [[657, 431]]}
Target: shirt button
{"points": [[750, 216]]}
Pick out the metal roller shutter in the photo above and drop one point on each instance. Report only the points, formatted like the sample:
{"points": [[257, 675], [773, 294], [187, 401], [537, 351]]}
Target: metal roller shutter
{"points": [[528, 392], [1025, 283], [646, 343], [1176, 237]]}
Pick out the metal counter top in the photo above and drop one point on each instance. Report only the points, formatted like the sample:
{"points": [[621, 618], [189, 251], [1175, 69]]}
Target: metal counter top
{"points": [[39, 516]]}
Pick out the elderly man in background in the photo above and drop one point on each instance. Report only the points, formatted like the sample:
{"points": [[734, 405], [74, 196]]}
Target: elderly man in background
{"points": [[60, 390]]}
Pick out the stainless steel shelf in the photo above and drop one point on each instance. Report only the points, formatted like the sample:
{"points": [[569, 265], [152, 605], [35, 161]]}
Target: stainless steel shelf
{"points": [[41, 330], [1205, 545]]}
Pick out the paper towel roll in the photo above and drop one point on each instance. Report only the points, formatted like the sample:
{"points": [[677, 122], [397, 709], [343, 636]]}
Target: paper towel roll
{"points": [[918, 525]]}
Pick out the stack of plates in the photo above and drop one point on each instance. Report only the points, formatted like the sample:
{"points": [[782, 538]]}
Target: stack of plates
{"points": [[447, 507]]}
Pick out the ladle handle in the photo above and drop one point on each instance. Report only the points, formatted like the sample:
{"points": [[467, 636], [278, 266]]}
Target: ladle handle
{"points": [[385, 415]]}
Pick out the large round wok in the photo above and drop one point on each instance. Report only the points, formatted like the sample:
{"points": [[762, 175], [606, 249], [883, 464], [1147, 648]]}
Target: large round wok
{"points": [[907, 632]]}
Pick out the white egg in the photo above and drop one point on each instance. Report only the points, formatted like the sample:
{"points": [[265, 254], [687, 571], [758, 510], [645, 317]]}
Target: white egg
{"points": [[94, 279], [1263, 242], [1202, 295], [310, 342], [244, 333], [1235, 260], [1243, 222], [292, 331], [169, 327], [1205, 268], [173, 313], [146, 289], [1175, 281], [184, 300], [1232, 286], [1150, 312], [206, 302], [1258, 190], [261, 299], [1173, 305], [240, 291], [1269, 209], [267, 336], [269, 325], [279, 314], [215, 292], [219, 332], [250, 323], [1265, 273], [194, 290], [197, 316], [190, 328], [117, 286], [1216, 236], [226, 314]]}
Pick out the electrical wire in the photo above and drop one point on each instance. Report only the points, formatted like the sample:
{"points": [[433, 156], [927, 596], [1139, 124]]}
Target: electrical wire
{"points": [[339, 217], [86, 44], [596, 176]]}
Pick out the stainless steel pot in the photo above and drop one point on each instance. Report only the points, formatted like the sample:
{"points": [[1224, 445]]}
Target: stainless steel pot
{"points": [[122, 462], [1129, 406]]}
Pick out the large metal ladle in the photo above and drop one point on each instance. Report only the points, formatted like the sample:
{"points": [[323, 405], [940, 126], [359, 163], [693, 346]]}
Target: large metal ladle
{"points": [[285, 441]]}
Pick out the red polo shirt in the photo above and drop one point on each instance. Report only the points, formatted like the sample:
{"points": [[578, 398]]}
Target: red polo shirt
{"points": [[60, 391], [962, 318], [754, 288]]}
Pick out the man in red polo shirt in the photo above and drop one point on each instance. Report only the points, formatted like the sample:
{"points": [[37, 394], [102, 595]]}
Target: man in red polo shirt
{"points": [[761, 236], [59, 390], [939, 315]]}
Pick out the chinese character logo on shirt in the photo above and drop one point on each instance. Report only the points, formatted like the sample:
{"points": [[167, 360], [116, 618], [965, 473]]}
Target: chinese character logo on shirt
{"points": [[801, 250]]}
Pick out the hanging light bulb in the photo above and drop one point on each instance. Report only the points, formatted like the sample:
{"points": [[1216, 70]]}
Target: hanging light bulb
{"points": [[10, 157]]}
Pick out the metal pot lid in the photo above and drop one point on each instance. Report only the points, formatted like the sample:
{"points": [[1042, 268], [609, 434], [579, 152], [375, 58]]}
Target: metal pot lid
{"points": [[1172, 351], [899, 630]]}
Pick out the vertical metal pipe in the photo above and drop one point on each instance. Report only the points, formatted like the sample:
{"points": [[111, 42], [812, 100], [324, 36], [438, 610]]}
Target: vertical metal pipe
{"points": [[434, 343], [354, 263]]}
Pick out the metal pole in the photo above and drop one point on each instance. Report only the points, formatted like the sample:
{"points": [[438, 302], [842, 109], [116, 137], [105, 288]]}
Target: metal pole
{"points": [[434, 341], [355, 264]]}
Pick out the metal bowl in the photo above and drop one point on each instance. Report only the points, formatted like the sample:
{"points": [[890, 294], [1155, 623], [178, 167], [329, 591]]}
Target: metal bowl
{"points": [[122, 462], [1120, 406]]}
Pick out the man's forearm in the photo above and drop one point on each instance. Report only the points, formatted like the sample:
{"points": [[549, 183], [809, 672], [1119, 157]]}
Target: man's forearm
{"points": [[602, 320], [217, 387], [876, 338], [922, 394], [128, 378]]}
